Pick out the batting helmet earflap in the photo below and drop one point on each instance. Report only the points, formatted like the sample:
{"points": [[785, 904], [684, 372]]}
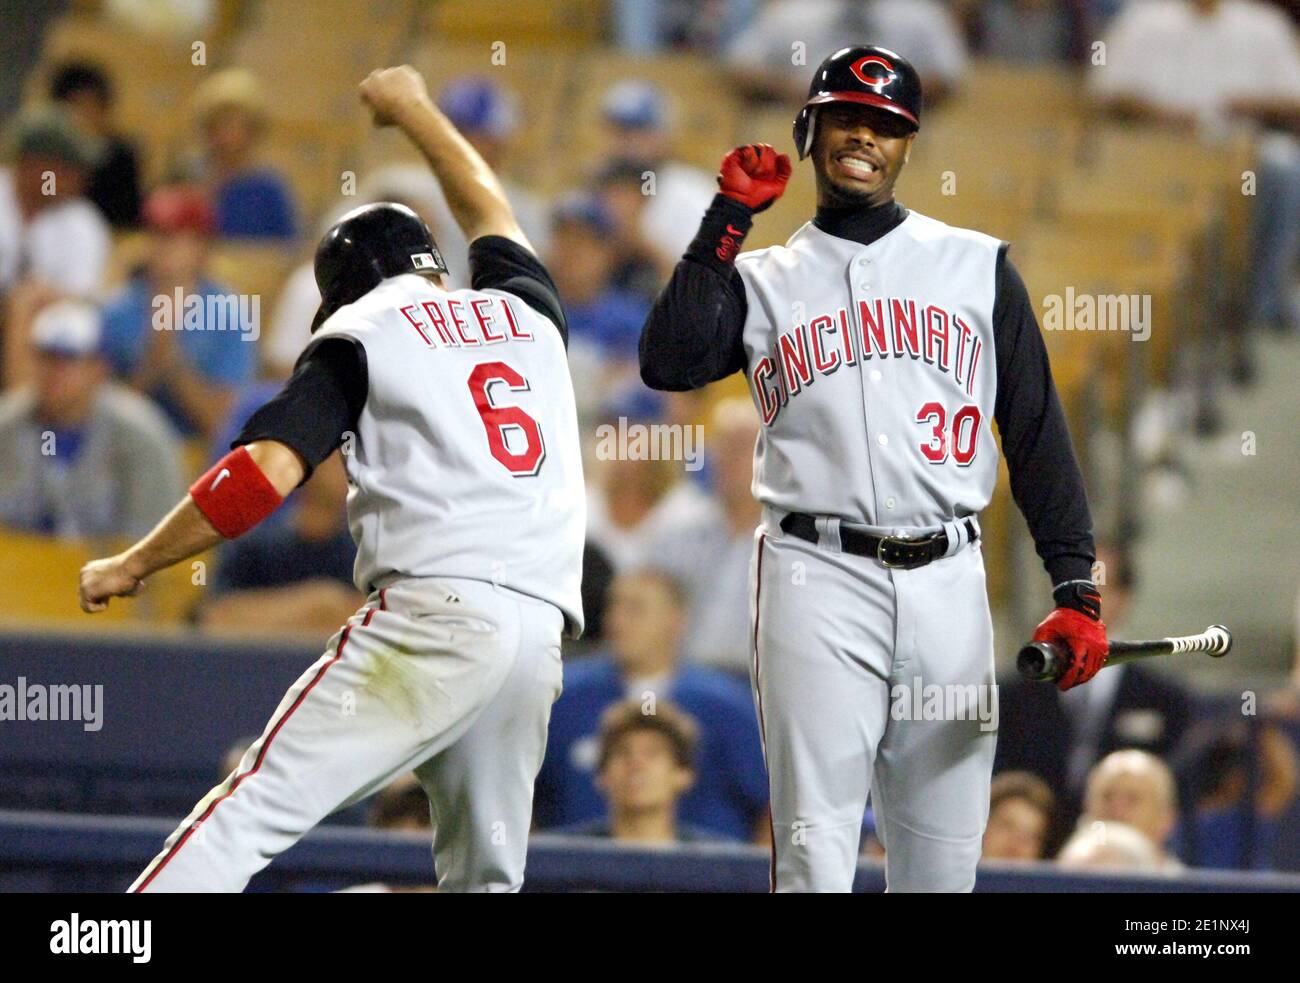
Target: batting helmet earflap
{"points": [[368, 245], [864, 74]]}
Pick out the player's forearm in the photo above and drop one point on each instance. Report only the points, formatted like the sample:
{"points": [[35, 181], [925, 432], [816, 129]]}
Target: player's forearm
{"points": [[183, 533], [474, 195], [189, 530]]}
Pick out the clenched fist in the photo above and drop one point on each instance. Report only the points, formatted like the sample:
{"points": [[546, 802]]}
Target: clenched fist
{"points": [[389, 92], [102, 579], [755, 175]]}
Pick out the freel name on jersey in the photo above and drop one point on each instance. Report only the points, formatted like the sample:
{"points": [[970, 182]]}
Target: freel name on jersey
{"points": [[881, 328], [446, 323]]}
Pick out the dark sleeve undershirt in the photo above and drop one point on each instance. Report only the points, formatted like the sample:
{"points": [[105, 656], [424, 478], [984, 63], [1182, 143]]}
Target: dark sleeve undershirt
{"points": [[498, 263], [1046, 481], [321, 401], [693, 334]]}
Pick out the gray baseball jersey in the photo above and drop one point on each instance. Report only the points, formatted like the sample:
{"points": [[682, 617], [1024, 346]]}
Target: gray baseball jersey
{"points": [[466, 460]]}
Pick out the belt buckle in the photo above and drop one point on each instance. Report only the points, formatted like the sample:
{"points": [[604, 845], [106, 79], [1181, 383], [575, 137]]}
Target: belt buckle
{"points": [[896, 565]]}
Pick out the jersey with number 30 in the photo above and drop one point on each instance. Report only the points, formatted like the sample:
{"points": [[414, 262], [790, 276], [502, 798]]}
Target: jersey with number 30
{"points": [[874, 371], [466, 461]]}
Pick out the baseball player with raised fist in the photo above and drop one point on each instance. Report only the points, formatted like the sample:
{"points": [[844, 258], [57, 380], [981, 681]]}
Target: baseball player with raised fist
{"points": [[879, 346], [466, 500]]}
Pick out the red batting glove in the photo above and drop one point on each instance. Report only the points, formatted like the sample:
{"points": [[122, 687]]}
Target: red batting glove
{"points": [[1085, 638], [755, 175]]}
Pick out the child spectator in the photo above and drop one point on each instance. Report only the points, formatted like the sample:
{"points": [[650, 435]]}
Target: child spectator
{"points": [[644, 624]]}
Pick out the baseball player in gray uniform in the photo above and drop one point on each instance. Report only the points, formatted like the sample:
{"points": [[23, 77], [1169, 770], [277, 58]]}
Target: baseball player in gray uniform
{"points": [[455, 414], [879, 347]]}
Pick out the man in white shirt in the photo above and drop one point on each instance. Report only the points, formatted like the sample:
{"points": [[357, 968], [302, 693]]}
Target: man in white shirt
{"points": [[770, 58], [48, 231], [1207, 66], [53, 242]]}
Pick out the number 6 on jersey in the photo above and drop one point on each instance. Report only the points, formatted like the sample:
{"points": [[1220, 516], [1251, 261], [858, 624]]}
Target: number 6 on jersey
{"points": [[500, 421]]}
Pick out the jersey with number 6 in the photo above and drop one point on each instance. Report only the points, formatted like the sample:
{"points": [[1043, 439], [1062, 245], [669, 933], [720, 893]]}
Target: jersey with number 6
{"points": [[466, 460], [873, 368]]}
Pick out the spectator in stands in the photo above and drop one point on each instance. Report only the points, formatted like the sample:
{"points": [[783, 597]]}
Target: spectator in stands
{"points": [[708, 548], [53, 242], [638, 130], [1024, 31], [252, 201], [80, 456], [191, 358], [1155, 72], [1020, 816], [1137, 789], [486, 116], [774, 57], [641, 267], [644, 625], [604, 322], [632, 503], [1216, 770], [1059, 736], [294, 578], [85, 91], [643, 27], [401, 805], [644, 766], [1113, 846]]}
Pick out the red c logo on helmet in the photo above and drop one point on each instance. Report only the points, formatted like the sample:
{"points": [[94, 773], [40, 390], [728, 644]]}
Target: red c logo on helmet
{"points": [[859, 67]]}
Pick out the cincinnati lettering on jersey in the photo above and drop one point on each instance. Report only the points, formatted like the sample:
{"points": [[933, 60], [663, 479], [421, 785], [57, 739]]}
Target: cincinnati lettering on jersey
{"points": [[444, 323], [887, 327]]}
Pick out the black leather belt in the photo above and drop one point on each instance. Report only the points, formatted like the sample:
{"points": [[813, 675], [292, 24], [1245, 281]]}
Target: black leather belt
{"points": [[891, 551]]}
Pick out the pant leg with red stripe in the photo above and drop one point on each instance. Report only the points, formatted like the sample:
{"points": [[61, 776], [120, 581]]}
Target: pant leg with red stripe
{"points": [[404, 681]]}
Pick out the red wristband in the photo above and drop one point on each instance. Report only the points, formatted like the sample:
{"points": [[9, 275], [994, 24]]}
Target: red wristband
{"points": [[234, 494]]}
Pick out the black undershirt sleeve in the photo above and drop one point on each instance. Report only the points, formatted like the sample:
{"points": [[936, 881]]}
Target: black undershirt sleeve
{"points": [[1046, 481], [498, 263], [694, 333], [321, 401]]}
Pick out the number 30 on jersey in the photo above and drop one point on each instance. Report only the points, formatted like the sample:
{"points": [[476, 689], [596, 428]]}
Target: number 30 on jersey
{"points": [[958, 438]]}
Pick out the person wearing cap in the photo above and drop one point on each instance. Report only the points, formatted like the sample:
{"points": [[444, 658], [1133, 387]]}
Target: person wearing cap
{"points": [[638, 131], [252, 200], [81, 456], [83, 89], [604, 321], [485, 115], [49, 232], [192, 366]]}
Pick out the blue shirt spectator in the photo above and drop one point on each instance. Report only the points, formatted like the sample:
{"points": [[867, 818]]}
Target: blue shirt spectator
{"points": [[730, 791], [225, 358], [255, 204]]}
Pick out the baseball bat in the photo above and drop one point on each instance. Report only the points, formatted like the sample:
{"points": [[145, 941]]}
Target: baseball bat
{"points": [[1046, 662]]}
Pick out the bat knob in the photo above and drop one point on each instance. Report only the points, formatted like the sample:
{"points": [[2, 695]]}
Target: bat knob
{"points": [[1041, 661], [1222, 639]]}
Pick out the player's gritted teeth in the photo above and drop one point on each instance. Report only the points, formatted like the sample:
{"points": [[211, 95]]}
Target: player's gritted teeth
{"points": [[860, 167]]}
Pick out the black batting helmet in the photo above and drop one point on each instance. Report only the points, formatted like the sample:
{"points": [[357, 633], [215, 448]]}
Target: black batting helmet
{"points": [[367, 245], [864, 74]]}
